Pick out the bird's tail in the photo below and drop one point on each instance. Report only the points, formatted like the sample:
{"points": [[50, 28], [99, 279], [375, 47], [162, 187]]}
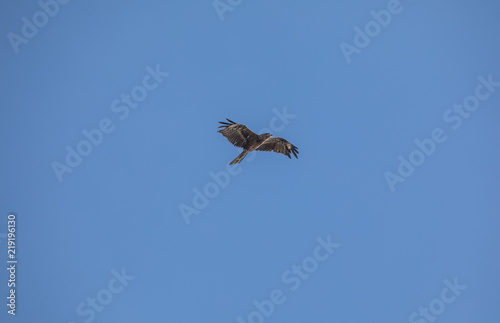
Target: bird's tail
{"points": [[240, 157]]}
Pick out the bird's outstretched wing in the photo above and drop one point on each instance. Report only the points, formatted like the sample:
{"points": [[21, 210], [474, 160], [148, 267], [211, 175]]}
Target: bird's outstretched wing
{"points": [[279, 145], [238, 134]]}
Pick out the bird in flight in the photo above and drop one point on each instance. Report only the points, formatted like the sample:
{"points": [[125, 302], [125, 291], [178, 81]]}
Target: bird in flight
{"points": [[239, 135]]}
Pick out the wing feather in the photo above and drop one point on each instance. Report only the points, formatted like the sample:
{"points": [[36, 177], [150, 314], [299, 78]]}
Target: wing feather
{"points": [[279, 145], [238, 134]]}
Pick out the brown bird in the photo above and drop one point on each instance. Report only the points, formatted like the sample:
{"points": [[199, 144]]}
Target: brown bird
{"points": [[239, 135]]}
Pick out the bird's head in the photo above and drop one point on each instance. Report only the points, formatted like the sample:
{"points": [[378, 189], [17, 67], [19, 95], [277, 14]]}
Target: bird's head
{"points": [[268, 135]]}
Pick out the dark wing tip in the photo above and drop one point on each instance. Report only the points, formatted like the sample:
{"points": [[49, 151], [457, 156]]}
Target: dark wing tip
{"points": [[226, 124]]}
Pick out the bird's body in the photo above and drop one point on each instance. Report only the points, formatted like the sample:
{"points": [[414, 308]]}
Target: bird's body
{"points": [[240, 136]]}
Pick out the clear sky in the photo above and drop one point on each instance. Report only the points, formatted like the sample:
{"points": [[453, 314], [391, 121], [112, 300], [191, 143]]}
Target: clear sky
{"points": [[126, 210]]}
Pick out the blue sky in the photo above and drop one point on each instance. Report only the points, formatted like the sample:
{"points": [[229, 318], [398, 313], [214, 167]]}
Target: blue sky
{"points": [[126, 210]]}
